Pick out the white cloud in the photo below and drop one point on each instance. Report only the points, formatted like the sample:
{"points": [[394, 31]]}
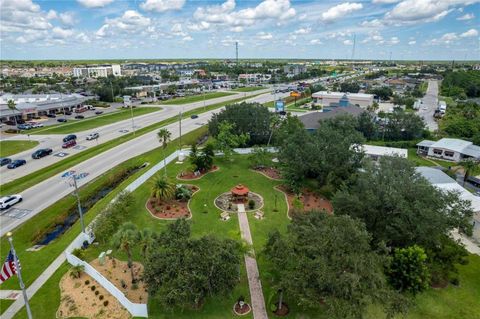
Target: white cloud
{"points": [[94, 3], [130, 22], [447, 38], [230, 41], [225, 14], [23, 15], [348, 42], [67, 18], [264, 36], [187, 38], [177, 30], [340, 10], [412, 42], [236, 29], [467, 16], [374, 36], [59, 33], [375, 23], [162, 5], [303, 31], [469, 33], [385, 1], [394, 40], [200, 26], [52, 14], [315, 42]]}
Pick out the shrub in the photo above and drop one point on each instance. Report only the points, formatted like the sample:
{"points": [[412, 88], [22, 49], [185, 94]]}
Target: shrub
{"points": [[100, 297], [78, 252], [87, 282], [105, 303], [96, 292], [135, 286], [93, 288], [455, 281], [251, 204], [297, 204]]}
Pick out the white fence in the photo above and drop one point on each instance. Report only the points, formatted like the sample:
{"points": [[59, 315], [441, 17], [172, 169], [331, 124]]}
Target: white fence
{"points": [[136, 309]]}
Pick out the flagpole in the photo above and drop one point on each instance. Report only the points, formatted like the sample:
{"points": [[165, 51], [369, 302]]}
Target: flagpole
{"points": [[19, 274]]}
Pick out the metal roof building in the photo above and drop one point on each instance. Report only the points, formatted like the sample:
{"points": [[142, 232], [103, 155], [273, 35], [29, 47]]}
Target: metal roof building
{"points": [[451, 149]]}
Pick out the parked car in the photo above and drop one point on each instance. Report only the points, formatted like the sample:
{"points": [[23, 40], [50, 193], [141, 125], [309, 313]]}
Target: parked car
{"points": [[194, 116], [10, 200], [93, 136], [41, 153], [16, 163], [5, 161], [79, 117], [99, 112], [69, 137], [24, 127], [51, 116], [68, 113], [62, 120], [36, 125], [10, 122], [70, 143], [20, 121]]}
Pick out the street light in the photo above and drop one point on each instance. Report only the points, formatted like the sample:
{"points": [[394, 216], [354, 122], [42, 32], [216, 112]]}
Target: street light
{"points": [[77, 195]]}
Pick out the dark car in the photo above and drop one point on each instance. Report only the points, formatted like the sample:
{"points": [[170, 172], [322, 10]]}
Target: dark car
{"points": [[9, 122], [20, 121], [62, 120], [16, 163], [41, 153], [69, 143], [69, 137], [99, 112], [79, 117], [68, 113], [51, 116], [4, 161], [194, 116]]}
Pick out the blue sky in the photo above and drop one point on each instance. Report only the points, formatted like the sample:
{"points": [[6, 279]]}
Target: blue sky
{"points": [[99, 29]]}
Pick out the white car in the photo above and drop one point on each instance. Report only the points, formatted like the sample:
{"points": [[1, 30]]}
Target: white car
{"points": [[36, 125], [93, 136], [9, 201]]}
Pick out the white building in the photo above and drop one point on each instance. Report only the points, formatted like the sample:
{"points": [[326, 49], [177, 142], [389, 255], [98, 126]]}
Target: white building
{"points": [[334, 99], [375, 152], [450, 149], [100, 71], [444, 182], [255, 77]]}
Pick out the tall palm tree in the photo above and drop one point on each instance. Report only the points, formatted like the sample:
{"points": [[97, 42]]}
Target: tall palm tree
{"points": [[162, 189], [164, 137], [145, 239], [469, 166], [13, 107], [125, 238], [274, 124]]}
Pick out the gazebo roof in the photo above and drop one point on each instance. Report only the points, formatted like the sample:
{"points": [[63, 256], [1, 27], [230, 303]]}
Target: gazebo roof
{"points": [[240, 190]]}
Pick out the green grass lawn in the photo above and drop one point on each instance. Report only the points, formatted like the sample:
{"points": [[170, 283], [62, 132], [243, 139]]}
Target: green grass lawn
{"points": [[195, 98], [94, 122], [249, 89], [421, 161], [34, 178], [8, 148], [4, 304]]}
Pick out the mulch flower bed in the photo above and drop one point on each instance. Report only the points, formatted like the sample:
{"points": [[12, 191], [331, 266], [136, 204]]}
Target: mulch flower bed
{"points": [[241, 310], [282, 312], [310, 200], [189, 175], [170, 209], [270, 172]]}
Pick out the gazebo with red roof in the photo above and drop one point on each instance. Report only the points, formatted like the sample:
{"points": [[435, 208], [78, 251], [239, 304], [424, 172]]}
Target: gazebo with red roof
{"points": [[240, 192]]}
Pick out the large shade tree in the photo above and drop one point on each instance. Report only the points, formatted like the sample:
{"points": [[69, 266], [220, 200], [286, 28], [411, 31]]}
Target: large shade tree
{"points": [[327, 261], [181, 272]]}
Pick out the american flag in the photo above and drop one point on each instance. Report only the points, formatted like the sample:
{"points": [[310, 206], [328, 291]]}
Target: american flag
{"points": [[8, 269]]}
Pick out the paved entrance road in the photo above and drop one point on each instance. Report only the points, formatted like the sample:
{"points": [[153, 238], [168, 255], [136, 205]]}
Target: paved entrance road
{"points": [[53, 189], [107, 133], [430, 103]]}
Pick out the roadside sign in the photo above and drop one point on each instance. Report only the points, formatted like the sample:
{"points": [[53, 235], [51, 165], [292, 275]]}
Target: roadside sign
{"points": [[294, 94], [279, 106]]}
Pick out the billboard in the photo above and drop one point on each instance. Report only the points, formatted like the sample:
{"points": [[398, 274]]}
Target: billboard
{"points": [[279, 106]]}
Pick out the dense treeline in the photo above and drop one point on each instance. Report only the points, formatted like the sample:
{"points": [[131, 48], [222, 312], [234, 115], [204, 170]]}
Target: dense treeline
{"points": [[461, 84], [463, 121]]}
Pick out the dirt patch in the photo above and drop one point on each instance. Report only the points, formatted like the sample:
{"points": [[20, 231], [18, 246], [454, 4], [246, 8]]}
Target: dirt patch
{"points": [[79, 300], [170, 209], [270, 172], [189, 175], [309, 201], [119, 274]]}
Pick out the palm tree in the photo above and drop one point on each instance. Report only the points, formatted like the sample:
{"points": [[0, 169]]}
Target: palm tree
{"points": [[162, 189], [13, 107], [124, 239], [274, 123], [76, 271], [164, 137], [469, 166], [145, 238]]}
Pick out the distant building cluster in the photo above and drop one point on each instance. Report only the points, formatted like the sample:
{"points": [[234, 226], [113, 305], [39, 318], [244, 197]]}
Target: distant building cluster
{"points": [[97, 71]]}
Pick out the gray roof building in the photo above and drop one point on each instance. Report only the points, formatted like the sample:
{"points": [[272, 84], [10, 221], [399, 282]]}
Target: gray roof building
{"points": [[311, 120]]}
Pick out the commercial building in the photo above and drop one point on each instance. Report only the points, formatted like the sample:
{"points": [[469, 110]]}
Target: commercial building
{"points": [[450, 149], [335, 99], [100, 71], [444, 182], [311, 121], [29, 106], [292, 70], [255, 77]]}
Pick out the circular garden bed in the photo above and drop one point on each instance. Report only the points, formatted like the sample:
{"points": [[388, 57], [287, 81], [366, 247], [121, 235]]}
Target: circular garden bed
{"points": [[270, 172], [228, 203], [170, 209], [307, 201]]}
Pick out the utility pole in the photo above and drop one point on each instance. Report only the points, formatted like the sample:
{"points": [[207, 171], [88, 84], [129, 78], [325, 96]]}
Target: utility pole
{"points": [[19, 275], [133, 123], [236, 51], [353, 49], [77, 194], [180, 130]]}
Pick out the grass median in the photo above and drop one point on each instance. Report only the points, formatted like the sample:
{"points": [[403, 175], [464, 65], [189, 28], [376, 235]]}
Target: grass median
{"points": [[94, 122], [34, 178], [196, 98], [8, 148], [249, 89]]}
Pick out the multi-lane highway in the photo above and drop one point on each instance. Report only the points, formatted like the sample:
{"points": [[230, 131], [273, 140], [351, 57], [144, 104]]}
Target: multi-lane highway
{"points": [[53, 189], [107, 133]]}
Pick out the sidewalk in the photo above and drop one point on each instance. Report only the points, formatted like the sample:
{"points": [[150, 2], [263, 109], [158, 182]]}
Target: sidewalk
{"points": [[254, 283]]}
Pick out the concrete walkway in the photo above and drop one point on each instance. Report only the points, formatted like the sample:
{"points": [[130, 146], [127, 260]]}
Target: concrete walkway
{"points": [[10, 294], [254, 283], [470, 246]]}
